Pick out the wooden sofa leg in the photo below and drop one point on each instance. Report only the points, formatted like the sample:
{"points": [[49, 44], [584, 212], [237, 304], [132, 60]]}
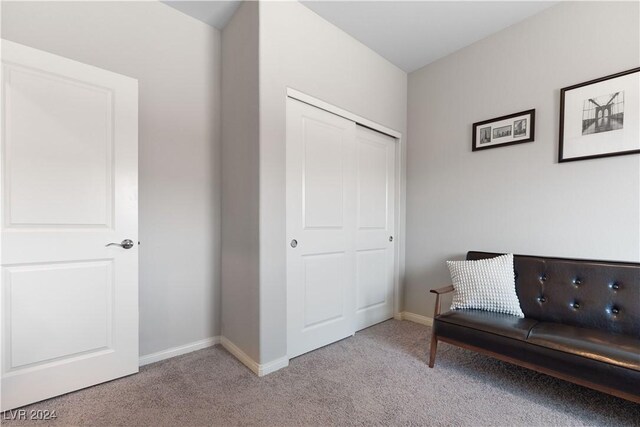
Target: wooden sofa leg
{"points": [[434, 337], [432, 352]]}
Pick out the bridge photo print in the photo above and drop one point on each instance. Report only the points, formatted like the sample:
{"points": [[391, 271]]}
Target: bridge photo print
{"points": [[603, 114]]}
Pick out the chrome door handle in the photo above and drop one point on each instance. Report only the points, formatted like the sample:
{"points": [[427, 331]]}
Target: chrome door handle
{"points": [[125, 244]]}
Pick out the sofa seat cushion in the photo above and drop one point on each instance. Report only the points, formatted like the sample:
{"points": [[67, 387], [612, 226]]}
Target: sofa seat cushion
{"points": [[505, 325], [620, 350]]}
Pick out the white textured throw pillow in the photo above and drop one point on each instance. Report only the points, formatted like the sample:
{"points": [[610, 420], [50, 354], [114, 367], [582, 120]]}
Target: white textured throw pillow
{"points": [[485, 284]]}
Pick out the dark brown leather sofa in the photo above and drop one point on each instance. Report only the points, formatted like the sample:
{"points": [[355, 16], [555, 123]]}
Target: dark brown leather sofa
{"points": [[581, 324]]}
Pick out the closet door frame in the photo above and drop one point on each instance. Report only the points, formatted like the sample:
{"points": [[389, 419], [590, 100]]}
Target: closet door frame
{"points": [[400, 186]]}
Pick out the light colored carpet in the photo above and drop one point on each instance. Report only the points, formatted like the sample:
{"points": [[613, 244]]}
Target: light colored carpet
{"points": [[378, 377]]}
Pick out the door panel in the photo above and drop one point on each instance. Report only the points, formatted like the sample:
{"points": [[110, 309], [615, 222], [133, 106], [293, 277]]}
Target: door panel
{"points": [[372, 183], [321, 218], [51, 101], [323, 174], [62, 294], [372, 277], [69, 187], [375, 178], [325, 286]]}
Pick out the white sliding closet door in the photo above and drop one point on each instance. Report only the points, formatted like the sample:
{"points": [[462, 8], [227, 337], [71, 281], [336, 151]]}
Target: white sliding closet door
{"points": [[69, 188], [375, 220], [321, 207], [340, 217]]}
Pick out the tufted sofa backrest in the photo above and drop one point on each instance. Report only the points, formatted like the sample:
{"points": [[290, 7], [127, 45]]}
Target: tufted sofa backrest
{"points": [[592, 294]]}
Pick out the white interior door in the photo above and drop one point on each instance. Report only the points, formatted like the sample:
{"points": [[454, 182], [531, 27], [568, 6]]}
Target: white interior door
{"points": [[375, 223], [321, 204], [69, 187]]}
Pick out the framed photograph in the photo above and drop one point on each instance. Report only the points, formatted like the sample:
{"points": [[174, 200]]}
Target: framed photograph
{"points": [[506, 130], [600, 118]]}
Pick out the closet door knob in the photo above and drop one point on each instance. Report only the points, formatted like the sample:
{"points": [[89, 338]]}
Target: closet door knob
{"points": [[294, 243]]}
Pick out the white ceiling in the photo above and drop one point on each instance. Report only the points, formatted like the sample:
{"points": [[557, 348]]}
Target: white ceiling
{"points": [[410, 34], [213, 12]]}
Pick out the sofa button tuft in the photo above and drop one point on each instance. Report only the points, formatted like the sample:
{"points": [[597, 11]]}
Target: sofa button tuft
{"points": [[542, 299], [615, 286], [577, 281], [575, 305], [615, 310], [544, 278]]}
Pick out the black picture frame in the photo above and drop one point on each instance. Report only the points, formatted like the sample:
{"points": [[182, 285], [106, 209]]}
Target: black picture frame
{"points": [[486, 128], [561, 142]]}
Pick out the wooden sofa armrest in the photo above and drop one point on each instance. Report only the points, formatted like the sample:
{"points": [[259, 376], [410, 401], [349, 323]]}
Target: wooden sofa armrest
{"points": [[444, 290], [438, 292]]}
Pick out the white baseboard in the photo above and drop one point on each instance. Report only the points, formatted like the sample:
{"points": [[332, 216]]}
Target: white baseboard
{"points": [[257, 368], [417, 318], [177, 351], [240, 355], [274, 365]]}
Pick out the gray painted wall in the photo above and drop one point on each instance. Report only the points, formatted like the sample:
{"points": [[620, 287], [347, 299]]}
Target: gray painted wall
{"points": [[508, 199], [301, 50], [240, 192], [176, 60], [518, 198]]}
